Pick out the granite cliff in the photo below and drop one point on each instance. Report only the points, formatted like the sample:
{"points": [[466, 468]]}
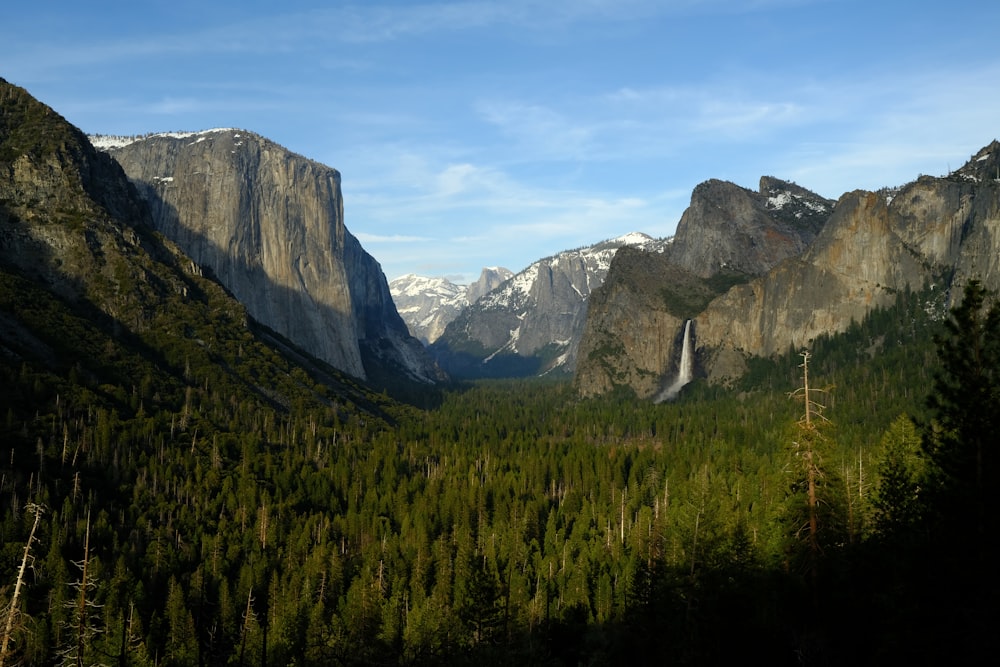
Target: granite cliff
{"points": [[727, 228], [727, 236], [269, 225], [934, 231], [531, 324], [105, 313], [427, 304], [863, 251]]}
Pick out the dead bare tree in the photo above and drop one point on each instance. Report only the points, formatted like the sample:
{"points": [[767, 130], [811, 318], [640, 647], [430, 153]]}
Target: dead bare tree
{"points": [[806, 446], [14, 609]]}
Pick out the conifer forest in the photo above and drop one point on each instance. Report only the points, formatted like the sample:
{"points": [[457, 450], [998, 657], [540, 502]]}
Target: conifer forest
{"points": [[200, 499]]}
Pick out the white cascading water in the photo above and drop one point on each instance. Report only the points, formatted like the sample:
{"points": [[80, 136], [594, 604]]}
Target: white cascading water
{"points": [[686, 371]]}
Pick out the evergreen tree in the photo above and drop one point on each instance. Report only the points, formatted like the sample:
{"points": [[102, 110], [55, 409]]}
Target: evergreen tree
{"points": [[479, 607], [961, 438], [900, 468], [960, 442]]}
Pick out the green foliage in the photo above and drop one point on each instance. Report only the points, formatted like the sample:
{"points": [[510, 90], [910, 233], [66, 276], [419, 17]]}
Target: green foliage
{"points": [[932, 557], [27, 127], [237, 502], [248, 512], [961, 438], [689, 295], [900, 471]]}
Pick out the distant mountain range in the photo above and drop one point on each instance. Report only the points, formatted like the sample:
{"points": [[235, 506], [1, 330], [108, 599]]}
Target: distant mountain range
{"points": [[756, 271], [428, 304], [531, 324]]}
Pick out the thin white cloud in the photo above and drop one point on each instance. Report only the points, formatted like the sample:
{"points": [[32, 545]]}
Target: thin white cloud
{"points": [[493, 218], [316, 30], [541, 130], [365, 237], [737, 118], [494, 158], [173, 106]]}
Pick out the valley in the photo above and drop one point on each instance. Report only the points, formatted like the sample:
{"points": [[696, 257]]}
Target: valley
{"points": [[190, 477]]}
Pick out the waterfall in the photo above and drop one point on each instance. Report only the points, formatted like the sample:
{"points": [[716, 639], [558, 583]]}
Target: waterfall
{"points": [[685, 372]]}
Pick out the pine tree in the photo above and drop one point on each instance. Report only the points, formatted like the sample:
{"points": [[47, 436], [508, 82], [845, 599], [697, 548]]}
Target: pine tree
{"points": [[479, 605], [960, 440], [900, 468]]}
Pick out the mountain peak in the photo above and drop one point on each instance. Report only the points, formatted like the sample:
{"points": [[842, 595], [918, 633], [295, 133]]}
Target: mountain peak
{"points": [[109, 141], [532, 322], [428, 304], [731, 228], [983, 166], [270, 225]]}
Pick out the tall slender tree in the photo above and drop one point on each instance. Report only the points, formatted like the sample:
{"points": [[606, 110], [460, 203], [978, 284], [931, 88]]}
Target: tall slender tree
{"points": [[14, 610], [960, 440], [806, 449], [960, 443]]}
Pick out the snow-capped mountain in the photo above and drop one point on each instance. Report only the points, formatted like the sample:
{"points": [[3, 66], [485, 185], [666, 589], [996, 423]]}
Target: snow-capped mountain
{"points": [[531, 324], [427, 305]]}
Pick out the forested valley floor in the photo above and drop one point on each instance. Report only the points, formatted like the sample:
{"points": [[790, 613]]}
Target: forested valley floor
{"points": [[234, 511]]}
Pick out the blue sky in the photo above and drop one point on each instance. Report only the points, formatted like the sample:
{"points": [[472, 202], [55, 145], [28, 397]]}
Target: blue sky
{"points": [[473, 134]]}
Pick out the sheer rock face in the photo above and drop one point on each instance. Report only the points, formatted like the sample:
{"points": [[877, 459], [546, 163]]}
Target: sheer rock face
{"points": [[939, 231], [626, 340], [270, 226], [631, 336], [934, 231], [490, 278], [428, 305], [531, 324], [729, 228]]}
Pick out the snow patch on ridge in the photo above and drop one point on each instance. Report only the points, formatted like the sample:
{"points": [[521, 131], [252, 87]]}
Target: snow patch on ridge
{"points": [[105, 142], [778, 200]]}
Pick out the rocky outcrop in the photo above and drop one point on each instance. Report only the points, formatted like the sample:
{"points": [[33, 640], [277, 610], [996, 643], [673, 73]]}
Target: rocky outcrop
{"points": [[729, 228], [427, 305], [728, 235], [933, 231], [532, 323], [269, 225], [490, 278], [626, 341], [62, 205]]}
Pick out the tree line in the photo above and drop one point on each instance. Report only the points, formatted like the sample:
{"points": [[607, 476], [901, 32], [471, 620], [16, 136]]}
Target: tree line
{"points": [[180, 518]]}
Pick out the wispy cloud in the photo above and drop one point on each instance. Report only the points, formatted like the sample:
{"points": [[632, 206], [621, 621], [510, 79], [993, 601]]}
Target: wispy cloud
{"points": [[365, 237], [281, 31], [541, 130], [480, 215], [477, 132]]}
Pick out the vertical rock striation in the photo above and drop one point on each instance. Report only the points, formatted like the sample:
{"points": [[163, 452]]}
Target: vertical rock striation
{"points": [[531, 324], [808, 268], [728, 235], [270, 225], [939, 231]]}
